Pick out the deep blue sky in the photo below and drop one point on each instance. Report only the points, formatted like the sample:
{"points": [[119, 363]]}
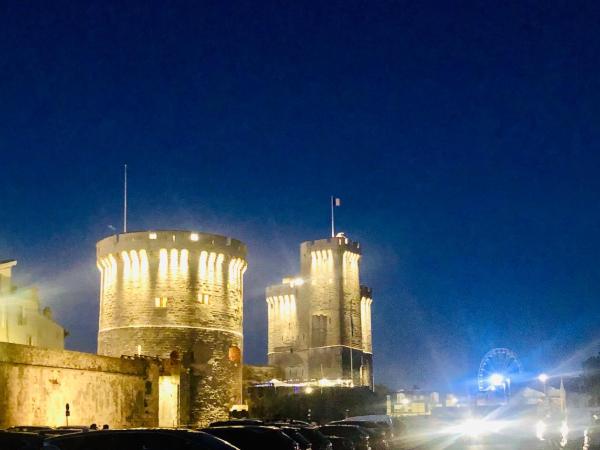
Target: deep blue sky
{"points": [[462, 139]]}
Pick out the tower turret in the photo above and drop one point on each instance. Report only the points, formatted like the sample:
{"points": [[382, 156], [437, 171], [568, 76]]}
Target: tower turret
{"points": [[177, 293], [331, 341]]}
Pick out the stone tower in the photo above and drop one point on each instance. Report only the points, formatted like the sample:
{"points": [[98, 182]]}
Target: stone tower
{"points": [[320, 321], [177, 294]]}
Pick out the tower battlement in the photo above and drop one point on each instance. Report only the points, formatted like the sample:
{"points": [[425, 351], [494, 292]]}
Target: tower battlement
{"points": [[280, 289], [366, 292], [332, 243], [170, 239]]}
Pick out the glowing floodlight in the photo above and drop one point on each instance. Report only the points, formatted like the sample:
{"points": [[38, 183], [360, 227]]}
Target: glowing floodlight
{"points": [[296, 282], [543, 377]]}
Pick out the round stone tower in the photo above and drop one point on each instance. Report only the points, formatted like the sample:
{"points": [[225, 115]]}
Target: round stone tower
{"points": [[177, 294]]}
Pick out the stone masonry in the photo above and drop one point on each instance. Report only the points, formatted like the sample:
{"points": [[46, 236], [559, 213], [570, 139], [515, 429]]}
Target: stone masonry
{"points": [[178, 294], [37, 383], [320, 320]]}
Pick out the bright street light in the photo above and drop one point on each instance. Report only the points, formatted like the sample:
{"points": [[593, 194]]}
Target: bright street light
{"points": [[497, 379]]}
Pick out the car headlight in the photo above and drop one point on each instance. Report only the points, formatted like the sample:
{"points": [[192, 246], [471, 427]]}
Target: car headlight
{"points": [[471, 428], [540, 429], [564, 433]]}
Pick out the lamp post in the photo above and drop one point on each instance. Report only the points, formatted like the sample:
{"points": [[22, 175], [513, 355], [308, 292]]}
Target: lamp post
{"points": [[543, 378]]}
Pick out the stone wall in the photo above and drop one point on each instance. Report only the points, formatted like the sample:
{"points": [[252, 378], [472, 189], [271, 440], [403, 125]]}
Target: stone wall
{"points": [[36, 383], [260, 374]]}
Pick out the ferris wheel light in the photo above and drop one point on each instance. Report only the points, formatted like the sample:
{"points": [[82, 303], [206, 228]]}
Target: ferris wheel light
{"points": [[497, 379], [499, 367]]}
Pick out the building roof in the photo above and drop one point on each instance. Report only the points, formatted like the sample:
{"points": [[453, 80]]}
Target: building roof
{"points": [[7, 263]]}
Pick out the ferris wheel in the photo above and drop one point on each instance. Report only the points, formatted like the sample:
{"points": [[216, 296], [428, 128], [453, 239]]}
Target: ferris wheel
{"points": [[497, 368]]}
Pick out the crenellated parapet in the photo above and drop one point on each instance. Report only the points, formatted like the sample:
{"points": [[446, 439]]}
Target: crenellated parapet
{"points": [[282, 313]]}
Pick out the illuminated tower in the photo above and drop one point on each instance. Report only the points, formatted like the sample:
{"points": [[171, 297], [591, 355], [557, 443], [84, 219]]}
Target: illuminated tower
{"points": [[320, 321], [177, 291]]}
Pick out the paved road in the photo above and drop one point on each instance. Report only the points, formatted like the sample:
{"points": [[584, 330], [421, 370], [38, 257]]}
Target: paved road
{"points": [[458, 444], [496, 443]]}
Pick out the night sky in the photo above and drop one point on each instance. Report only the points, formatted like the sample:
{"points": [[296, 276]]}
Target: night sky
{"points": [[462, 139]]}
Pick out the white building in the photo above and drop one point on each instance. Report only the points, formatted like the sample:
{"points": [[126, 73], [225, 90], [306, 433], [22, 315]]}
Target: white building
{"points": [[21, 319]]}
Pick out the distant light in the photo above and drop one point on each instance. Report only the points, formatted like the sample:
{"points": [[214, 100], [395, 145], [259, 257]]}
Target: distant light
{"points": [[543, 377], [297, 282], [309, 390], [326, 382], [540, 430], [497, 379], [471, 427], [405, 401], [152, 236], [194, 237], [564, 433]]}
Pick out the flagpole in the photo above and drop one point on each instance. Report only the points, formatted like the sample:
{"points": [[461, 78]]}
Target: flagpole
{"points": [[332, 219], [125, 200]]}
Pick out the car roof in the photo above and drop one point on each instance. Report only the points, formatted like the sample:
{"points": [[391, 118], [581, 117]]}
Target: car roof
{"points": [[19, 433], [243, 427], [200, 437], [171, 431]]}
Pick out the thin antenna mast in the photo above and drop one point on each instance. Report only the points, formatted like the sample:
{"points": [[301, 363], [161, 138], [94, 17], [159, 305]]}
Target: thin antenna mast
{"points": [[125, 201], [332, 219], [335, 201]]}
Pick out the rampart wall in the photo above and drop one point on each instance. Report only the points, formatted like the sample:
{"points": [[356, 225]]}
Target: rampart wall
{"points": [[37, 383]]}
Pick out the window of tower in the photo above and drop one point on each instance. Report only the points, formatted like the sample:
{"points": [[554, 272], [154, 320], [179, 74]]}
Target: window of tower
{"points": [[203, 299], [161, 302], [234, 354]]}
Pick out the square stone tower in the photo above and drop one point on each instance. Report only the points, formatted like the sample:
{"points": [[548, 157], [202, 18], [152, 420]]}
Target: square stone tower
{"points": [[320, 320]]}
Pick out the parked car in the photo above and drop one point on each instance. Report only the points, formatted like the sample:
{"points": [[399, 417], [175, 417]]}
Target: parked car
{"points": [[137, 439], [359, 437], [378, 435], [295, 434], [341, 443], [223, 423], [254, 437], [15, 440], [317, 439], [59, 431], [379, 420], [29, 428], [43, 430]]}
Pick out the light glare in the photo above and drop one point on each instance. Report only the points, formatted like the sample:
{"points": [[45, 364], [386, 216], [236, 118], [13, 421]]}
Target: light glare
{"points": [[497, 379]]}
